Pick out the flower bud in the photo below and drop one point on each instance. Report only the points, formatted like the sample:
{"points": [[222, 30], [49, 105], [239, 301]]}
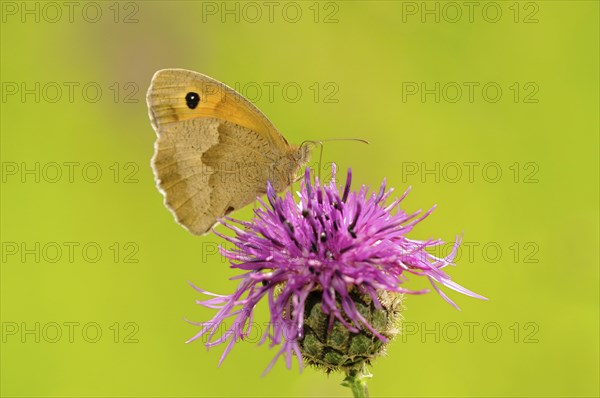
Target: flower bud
{"points": [[337, 348]]}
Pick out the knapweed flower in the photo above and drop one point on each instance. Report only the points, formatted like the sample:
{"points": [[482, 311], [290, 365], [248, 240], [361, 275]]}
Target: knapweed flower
{"points": [[330, 268]]}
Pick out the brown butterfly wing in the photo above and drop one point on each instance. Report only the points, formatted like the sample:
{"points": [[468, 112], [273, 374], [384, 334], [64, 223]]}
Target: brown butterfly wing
{"points": [[215, 157]]}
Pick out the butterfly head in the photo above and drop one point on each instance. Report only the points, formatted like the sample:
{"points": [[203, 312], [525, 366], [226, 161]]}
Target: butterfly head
{"points": [[302, 155]]}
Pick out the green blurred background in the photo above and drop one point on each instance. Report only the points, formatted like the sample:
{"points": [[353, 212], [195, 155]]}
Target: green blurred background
{"points": [[531, 232]]}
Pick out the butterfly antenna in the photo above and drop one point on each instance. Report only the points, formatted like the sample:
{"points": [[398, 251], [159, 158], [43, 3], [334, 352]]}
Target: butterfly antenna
{"points": [[320, 143], [345, 139]]}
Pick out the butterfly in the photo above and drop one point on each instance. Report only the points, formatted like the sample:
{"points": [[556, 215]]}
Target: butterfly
{"points": [[214, 151]]}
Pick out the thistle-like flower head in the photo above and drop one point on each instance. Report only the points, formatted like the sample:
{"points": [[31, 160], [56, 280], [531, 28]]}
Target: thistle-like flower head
{"points": [[335, 260]]}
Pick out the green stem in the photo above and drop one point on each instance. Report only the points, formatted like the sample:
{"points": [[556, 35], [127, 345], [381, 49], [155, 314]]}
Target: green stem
{"points": [[356, 380]]}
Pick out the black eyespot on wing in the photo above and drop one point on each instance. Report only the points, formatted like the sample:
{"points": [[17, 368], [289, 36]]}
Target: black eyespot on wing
{"points": [[192, 100]]}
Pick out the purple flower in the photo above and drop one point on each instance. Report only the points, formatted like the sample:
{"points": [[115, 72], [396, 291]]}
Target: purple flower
{"points": [[330, 242]]}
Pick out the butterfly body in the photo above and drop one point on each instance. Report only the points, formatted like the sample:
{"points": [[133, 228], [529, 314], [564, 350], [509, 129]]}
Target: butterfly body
{"points": [[215, 151]]}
